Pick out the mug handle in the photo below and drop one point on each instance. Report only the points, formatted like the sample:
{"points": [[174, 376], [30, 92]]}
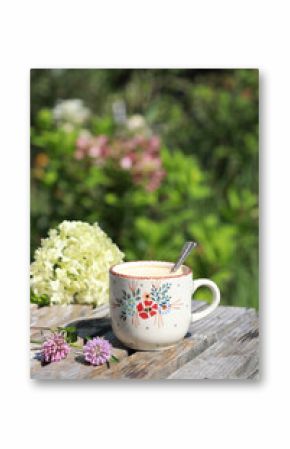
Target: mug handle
{"points": [[216, 296]]}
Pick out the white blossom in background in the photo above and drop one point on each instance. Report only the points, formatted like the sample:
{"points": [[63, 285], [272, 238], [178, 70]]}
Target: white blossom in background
{"points": [[71, 113], [119, 112], [136, 124], [71, 265]]}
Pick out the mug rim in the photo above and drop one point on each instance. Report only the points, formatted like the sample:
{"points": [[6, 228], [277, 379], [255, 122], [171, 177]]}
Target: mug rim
{"points": [[113, 271]]}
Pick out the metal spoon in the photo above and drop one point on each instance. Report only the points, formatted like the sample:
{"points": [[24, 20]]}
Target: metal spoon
{"points": [[187, 248]]}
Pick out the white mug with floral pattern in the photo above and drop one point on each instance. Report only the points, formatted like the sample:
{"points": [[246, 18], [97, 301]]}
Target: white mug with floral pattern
{"points": [[153, 311]]}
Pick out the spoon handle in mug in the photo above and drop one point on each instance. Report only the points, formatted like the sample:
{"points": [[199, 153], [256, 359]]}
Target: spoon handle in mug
{"points": [[187, 248]]}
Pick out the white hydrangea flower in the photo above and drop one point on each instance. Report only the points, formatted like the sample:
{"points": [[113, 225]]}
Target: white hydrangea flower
{"points": [[72, 264]]}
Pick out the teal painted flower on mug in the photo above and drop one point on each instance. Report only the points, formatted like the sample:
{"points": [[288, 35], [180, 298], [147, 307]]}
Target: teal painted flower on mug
{"points": [[160, 294], [128, 302]]}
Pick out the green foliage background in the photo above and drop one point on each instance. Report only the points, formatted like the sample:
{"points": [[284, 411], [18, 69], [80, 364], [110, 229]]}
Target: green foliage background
{"points": [[208, 123]]}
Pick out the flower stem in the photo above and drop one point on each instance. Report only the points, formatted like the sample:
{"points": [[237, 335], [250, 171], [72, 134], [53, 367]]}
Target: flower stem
{"points": [[74, 345], [36, 341]]}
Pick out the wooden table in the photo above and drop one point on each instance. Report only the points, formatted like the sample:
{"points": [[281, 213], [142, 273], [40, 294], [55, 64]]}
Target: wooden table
{"points": [[221, 346]]}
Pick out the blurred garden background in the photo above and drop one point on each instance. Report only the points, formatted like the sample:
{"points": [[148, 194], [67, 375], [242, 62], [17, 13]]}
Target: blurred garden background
{"points": [[156, 157]]}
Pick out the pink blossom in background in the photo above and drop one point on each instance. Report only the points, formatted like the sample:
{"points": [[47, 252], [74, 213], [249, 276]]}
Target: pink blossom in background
{"points": [[154, 144], [126, 162], [94, 151], [138, 154], [81, 147], [93, 147], [83, 142], [148, 163], [99, 148], [155, 180]]}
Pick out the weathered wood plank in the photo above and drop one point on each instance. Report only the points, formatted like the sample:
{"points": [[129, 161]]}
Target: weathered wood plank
{"points": [[236, 356], [221, 321], [150, 365], [61, 315], [155, 365], [224, 345], [54, 316]]}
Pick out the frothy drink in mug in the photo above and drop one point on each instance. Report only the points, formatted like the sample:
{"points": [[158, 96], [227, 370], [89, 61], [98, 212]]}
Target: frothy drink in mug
{"points": [[151, 307], [153, 270]]}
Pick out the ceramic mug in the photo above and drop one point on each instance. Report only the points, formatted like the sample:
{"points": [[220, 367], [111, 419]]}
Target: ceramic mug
{"points": [[154, 312]]}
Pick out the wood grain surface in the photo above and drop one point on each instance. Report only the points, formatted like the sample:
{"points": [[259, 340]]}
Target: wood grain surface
{"points": [[221, 346]]}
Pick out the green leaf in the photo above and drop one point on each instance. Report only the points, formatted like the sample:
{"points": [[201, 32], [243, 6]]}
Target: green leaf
{"points": [[71, 334], [40, 300], [74, 345]]}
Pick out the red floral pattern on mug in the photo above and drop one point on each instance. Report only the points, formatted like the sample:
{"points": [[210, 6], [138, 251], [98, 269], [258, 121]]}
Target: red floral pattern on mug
{"points": [[155, 303], [147, 307]]}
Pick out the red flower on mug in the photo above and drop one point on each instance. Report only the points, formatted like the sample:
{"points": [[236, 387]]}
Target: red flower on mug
{"points": [[147, 307]]}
